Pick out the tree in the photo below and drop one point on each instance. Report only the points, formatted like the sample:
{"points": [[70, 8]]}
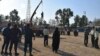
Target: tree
{"points": [[1, 18], [73, 25], [64, 15], [14, 16], [97, 22], [83, 21], [77, 20], [7, 17], [52, 22]]}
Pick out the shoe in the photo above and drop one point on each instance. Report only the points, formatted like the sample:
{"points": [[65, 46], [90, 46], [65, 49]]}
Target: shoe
{"points": [[31, 55], [16, 53], [10, 53], [97, 47], [6, 53]]}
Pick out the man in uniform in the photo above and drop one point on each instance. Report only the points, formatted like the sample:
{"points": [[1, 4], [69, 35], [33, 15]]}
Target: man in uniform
{"points": [[28, 33]]}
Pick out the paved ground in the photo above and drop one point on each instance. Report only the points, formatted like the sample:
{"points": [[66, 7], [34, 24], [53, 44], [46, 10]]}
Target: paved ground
{"points": [[69, 46]]}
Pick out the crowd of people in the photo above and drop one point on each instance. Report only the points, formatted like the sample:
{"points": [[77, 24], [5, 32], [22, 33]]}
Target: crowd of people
{"points": [[94, 37], [12, 36]]}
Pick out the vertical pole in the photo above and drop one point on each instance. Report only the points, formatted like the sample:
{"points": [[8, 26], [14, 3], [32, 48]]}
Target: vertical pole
{"points": [[28, 11]]}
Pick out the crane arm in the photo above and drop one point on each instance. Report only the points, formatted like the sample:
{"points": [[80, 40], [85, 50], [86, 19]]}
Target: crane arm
{"points": [[35, 11]]}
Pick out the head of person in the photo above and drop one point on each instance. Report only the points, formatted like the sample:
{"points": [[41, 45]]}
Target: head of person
{"points": [[9, 24], [15, 26], [28, 25], [56, 29], [93, 27]]}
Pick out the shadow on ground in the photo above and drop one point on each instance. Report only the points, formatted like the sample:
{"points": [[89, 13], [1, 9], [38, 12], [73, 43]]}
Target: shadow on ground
{"points": [[21, 47], [62, 53]]}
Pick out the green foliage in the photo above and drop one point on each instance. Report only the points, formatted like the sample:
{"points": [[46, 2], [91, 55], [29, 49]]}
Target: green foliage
{"points": [[64, 15], [14, 16], [77, 20], [73, 25], [1, 18], [83, 21], [97, 22]]}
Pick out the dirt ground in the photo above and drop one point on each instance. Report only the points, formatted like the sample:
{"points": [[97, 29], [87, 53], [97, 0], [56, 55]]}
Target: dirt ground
{"points": [[69, 46]]}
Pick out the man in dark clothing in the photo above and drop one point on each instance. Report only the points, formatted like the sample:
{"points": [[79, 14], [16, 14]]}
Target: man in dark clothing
{"points": [[56, 40], [75, 32], [28, 33], [86, 37], [68, 32], [6, 34], [15, 33]]}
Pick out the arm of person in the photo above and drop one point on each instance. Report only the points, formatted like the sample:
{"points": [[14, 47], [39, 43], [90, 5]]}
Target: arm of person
{"points": [[34, 38], [33, 35]]}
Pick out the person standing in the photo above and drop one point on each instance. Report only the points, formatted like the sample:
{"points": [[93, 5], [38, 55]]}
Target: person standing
{"points": [[15, 33], [75, 32], [56, 40], [92, 36], [28, 34], [68, 31], [45, 33], [6, 33], [86, 33], [96, 35]]}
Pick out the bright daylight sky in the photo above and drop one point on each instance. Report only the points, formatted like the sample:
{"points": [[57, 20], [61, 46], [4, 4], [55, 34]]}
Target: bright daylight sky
{"points": [[92, 7]]}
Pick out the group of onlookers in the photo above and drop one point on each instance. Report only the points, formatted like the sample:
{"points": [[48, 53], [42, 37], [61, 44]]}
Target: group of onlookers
{"points": [[12, 36], [94, 37]]}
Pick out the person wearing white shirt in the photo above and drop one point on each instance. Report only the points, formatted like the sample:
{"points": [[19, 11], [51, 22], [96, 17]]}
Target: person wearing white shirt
{"points": [[92, 36], [96, 35], [46, 33]]}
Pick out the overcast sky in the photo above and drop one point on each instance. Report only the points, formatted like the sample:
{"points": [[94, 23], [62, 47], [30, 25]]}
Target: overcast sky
{"points": [[92, 7]]}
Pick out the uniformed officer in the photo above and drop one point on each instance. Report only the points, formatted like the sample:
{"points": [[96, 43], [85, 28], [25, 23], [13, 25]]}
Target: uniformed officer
{"points": [[28, 34]]}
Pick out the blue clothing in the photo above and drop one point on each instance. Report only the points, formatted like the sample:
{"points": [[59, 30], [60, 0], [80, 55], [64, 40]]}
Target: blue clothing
{"points": [[7, 33], [28, 34], [15, 34]]}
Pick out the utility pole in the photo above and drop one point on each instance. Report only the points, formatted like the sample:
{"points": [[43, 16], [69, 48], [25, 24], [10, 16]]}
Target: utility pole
{"points": [[28, 11], [84, 12]]}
